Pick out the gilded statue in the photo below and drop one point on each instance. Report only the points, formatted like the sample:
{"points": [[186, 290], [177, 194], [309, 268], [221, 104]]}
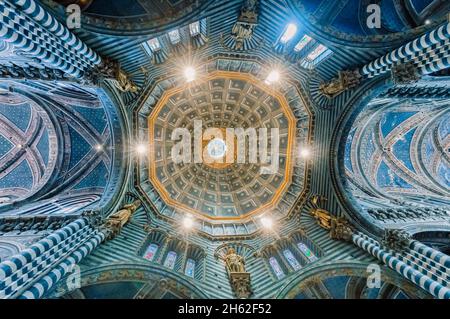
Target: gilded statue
{"points": [[117, 220], [338, 227], [123, 215], [346, 80], [322, 217], [234, 262], [239, 279], [124, 84], [247, 21]]}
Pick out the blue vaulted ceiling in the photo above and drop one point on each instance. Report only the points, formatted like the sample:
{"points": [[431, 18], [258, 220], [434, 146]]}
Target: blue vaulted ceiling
{"points": [[400, 146], [346, 20], [402, 149], [27, 148], [391, 120], [53, 145]]}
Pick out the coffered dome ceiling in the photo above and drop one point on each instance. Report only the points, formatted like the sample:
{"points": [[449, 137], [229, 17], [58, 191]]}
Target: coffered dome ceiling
{"points": [[228, 94]]}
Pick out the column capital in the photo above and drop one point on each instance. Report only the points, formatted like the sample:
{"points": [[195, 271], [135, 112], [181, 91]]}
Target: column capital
{"points": [[396, 239], [341, 229], [405, 73], [93, 217]]}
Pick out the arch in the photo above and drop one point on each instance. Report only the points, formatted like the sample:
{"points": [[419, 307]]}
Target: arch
{"points": [[381, 143], [437, 239], [158, 245], [298, 237], [346, 280], [148, 281], [361, 97], [195, 260], [132, 17], [9, 248]]}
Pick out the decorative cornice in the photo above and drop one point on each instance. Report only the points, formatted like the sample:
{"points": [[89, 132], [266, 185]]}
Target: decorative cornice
{"points": [[34, 223], [346, 80]]}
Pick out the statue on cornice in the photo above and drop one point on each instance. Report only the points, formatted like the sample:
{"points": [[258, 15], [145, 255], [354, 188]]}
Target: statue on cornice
{"points": [[338, 227], [117, 220], [124, 84], [234, 262], [322, 217], [239, 278], [247, 21], [123, 215], [346, 80]]}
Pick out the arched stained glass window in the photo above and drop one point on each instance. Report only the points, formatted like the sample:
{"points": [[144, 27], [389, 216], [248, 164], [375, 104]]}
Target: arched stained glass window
{"points": [[317, 52], [291, 259], [154, 44], [289, 33], [174, 36], [276, 267], [307, 252], [190, 268], [302, 43], [151, 252], [170, 259], [194, 28]]}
